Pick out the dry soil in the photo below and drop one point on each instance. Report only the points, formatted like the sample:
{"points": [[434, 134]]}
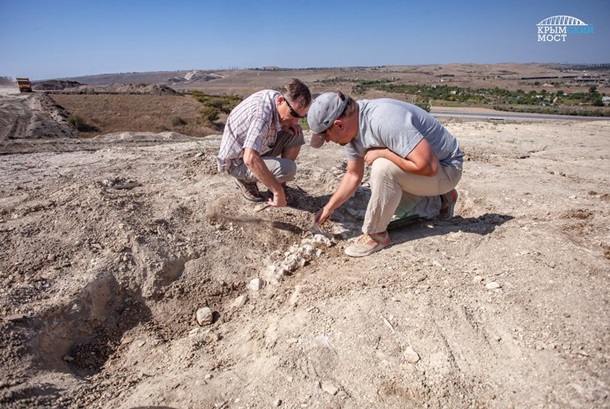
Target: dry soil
{"points": [[108, 252]]}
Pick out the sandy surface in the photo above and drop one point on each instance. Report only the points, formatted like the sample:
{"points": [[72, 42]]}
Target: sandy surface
{"points": [[108, 254]]}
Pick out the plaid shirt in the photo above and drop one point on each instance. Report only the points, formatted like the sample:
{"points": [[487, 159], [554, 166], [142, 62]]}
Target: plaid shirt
{"points": [[254, 123]]}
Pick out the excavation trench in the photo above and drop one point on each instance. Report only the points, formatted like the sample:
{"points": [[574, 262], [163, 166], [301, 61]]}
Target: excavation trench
{"points": [[81, 335]]}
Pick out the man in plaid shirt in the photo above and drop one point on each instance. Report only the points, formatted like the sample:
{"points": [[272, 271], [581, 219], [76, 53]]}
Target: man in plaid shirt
{"points": [[262, 139]]}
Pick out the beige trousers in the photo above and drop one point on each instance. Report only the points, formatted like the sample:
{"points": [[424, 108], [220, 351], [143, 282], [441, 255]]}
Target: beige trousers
{"points": [[396, 192]]}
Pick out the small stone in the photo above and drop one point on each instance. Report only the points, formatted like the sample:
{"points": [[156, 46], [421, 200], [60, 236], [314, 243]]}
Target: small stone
{"points": [[410, 355], [204, 316], [329, 388], [322, 239], [436, 263], [277, 402], [68, 358], [492, 285], [240, 301], [358, 214], [419, 277], [214, 337], [256, 284], [208, 376], [477, 279]]}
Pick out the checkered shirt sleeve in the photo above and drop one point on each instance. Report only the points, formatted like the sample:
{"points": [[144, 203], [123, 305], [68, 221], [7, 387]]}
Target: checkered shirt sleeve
{"points": [[254, 124]]}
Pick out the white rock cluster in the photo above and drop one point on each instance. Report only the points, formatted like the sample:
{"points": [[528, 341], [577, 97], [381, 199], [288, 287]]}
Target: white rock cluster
{"points": [[296, 257]]}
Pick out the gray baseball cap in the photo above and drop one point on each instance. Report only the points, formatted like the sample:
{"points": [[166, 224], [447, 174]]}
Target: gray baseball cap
{"points": [[324, 110]]}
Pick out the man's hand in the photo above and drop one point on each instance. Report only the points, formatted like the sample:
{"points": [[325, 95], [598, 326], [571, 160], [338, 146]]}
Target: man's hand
{"points": [[375, 153], [278, 199], [322, 215], [348, 186], [293, 129], [253, 161]]}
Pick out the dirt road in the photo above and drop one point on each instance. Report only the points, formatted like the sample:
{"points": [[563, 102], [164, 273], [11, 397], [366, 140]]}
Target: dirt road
{"points": [[33, 114], [108, 254]]}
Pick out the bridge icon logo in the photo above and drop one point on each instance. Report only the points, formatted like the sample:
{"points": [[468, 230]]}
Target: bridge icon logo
{"points": [[557, 28]]}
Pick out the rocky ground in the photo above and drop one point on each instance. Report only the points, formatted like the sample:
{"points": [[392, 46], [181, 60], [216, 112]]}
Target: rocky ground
{"points": [[110, 252]]}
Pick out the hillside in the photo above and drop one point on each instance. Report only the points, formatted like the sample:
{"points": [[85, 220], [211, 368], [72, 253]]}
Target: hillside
{"points": [[242, 82]]}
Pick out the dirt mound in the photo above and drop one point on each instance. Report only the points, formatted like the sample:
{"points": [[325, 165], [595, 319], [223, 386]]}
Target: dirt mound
{"points": [[108, 255], [7, 81], [142, 136], [149, 89], [194, 76], [55, 85]]}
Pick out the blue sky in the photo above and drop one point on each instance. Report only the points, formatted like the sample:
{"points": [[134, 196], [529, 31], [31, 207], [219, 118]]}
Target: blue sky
{"points": [[45, 39]]}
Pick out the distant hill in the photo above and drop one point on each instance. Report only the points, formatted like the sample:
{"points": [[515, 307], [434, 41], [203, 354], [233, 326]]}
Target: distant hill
{"points": [[374, 82], [4, 81], [159, 77]]}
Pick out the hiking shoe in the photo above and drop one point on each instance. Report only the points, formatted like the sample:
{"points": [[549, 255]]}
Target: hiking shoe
{"points": [[367, 244], [448, 201], [249, 190]]}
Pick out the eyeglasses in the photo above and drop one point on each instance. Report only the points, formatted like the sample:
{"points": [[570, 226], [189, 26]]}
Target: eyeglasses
{"points": [[293, 113]]}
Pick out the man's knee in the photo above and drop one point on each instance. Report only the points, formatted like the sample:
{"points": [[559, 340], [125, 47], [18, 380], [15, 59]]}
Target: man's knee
{"points": [[283, 170], [289, 170], [382, 169]]}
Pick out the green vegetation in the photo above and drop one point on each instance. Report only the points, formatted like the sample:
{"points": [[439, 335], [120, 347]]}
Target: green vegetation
{"points": [[335, 81], [209, 115], [423, 95], [79, 124], [214, 105], [177, 121]]}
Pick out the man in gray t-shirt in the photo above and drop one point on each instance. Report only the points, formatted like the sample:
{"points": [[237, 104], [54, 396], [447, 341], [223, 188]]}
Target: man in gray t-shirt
{"points": [[415, 162]]}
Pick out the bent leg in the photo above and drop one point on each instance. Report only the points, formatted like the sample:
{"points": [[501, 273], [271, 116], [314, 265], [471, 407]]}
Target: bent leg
{"points": [[394, 191], [283, 170], [280, 161], [287, 146], [386, 195]]}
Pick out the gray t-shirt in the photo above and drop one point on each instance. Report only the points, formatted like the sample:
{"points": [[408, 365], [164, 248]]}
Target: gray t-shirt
{"points": [[400, 126]]}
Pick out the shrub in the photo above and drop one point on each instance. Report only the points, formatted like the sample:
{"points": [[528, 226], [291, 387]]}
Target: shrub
{"points": [[177, 121], [77, 123], [209, 115], [423, 103], [223, 103]]}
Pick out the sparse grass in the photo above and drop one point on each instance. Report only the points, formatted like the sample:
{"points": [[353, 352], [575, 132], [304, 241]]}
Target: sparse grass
{"points": [[107, 113]]}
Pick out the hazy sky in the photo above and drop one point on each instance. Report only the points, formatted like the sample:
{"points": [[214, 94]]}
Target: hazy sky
{"points": [[44, 39]]}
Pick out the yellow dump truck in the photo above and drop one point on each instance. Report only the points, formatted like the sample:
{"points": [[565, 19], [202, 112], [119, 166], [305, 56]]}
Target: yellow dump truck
{"points": [[24, 85]]}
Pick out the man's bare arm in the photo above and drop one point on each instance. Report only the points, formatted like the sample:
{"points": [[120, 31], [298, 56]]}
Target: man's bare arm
{"points": [[421, 160], [255, 163]]}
